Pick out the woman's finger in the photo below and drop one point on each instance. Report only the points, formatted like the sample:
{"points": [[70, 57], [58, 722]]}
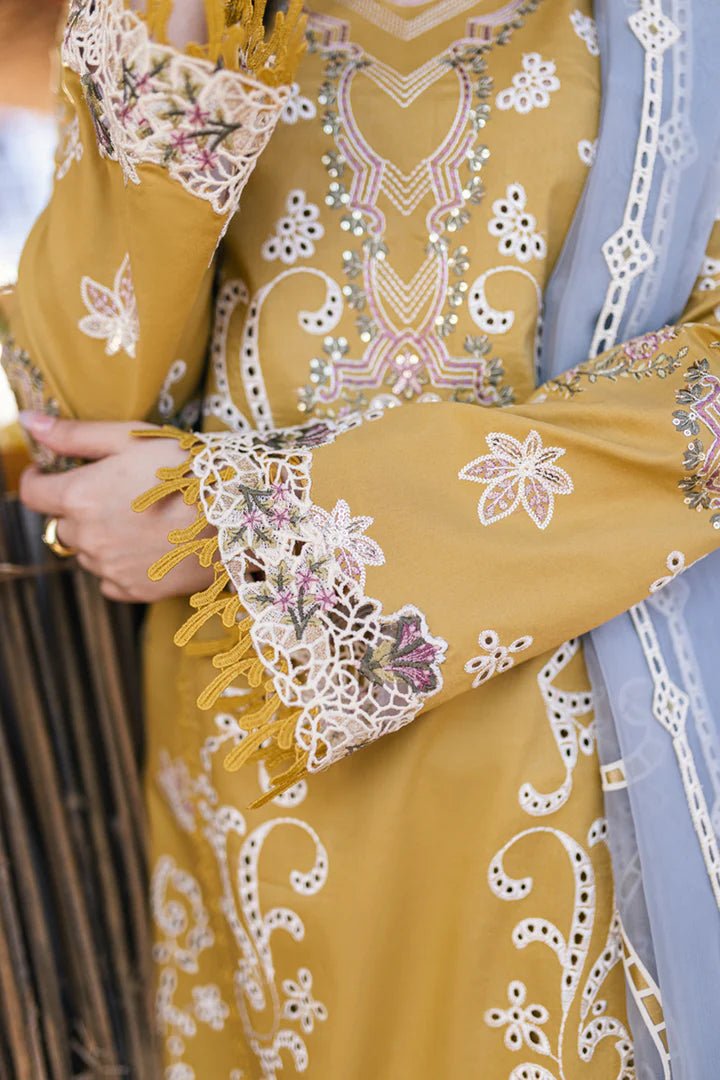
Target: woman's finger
{"points": [[88, 439], [45, 493]]}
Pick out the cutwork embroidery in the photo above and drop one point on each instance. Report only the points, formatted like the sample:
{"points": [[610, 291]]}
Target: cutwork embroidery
{"points": [[531, 88], [295, 232], [113, 315], [515, 228], [150, 104], [497, 658], [675, 564], [340, 671], [186, 930], [297, 107], [518, 475], [586, 29]]}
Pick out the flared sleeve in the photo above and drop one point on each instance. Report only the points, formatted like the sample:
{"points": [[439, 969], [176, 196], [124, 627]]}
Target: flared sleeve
{"points": [[374, 568], [110, 315]]}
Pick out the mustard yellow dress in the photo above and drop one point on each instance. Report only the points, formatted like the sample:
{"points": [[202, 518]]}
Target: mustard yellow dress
{"points": [[343, 266]]}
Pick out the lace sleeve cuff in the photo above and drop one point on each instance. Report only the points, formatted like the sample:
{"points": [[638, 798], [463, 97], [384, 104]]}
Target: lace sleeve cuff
{"points": [[330, 671], [204, 118]]}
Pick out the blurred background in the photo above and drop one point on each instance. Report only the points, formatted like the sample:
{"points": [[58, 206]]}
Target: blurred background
{"points": [[28, 31]]}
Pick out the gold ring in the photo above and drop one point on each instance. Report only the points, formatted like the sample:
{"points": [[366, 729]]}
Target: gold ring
{"points": [[50, 539]]}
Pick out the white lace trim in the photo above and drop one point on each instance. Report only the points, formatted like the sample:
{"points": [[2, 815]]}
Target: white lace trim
{"points": [[153, 105], [354, 672], [627, 252]]}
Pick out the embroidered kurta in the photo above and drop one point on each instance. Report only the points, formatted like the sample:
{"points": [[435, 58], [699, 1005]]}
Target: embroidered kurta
{"points": [[410, 534]]}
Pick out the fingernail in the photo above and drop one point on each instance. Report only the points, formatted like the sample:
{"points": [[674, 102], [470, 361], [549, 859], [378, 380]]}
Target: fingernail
{"points": [[36, 423]]}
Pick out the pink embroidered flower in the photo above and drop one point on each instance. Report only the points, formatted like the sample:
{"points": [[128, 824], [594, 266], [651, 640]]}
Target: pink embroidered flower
{"points": [[354, 551], [518, 474], [113, 315], [644, 347]]}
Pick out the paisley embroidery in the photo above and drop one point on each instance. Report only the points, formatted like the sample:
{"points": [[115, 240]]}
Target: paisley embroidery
{"points": [[113, 315], [531, 88], [518, 475], [295, 232]]}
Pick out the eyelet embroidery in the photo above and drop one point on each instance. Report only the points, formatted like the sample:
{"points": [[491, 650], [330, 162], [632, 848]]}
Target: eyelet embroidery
{"points": [[518, 475], [295, 232], [497, 658], [531, 88], [515, 227]]}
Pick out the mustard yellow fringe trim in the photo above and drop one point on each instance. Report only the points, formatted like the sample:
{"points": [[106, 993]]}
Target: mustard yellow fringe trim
{"points": [[270, 725], [238, 39]]}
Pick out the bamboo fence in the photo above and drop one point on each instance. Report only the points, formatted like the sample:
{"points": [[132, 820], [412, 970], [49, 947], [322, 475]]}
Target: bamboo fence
{"points": [[74, 940]]}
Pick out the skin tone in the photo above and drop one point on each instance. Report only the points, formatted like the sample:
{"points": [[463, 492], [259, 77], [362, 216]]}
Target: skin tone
{"points": [[92, 503]]}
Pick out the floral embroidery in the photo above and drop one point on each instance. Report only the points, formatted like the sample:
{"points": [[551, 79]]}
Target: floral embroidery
{"points": [[586, 29], [27, 383], [518, 474], [531, 88], [113, 314], [405, 324], [341, 671], [297, 107], [640, 358], [295, 231], [497, 658], [184, 930], [300, 1004], [587, 149], [515, 227], [675, 564], [346, 534], [150, 104], [700, 401], [522, 1022]]}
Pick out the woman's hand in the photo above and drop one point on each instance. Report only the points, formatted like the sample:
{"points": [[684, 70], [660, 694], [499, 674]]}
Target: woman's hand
{"points": [[92, 504]]}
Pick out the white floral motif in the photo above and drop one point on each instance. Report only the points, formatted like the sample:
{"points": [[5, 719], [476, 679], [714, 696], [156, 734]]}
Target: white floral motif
{"points": [[675, 563], [301, 1005], [353, 549], [586, 29], [295, 232], [497, 658], [531, 88], [209, 1007], [587, 149], [518, 474], [113, 315], [70, 147], [521, 1022], [515, 227], [297, 107]]}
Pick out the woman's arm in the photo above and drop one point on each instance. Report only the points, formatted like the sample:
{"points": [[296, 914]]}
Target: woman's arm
{"points": [[388, 565]]}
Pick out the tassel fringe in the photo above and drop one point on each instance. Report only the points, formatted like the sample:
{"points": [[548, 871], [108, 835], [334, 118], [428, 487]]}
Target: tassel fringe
{"points": [[270, 725], [238, 39]]}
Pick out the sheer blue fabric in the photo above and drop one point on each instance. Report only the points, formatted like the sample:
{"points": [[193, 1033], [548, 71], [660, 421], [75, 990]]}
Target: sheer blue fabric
{"points": [[656, 669]]}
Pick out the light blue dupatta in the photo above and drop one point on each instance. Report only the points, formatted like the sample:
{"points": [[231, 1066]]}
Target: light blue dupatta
{"points": [[628, 266]]}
